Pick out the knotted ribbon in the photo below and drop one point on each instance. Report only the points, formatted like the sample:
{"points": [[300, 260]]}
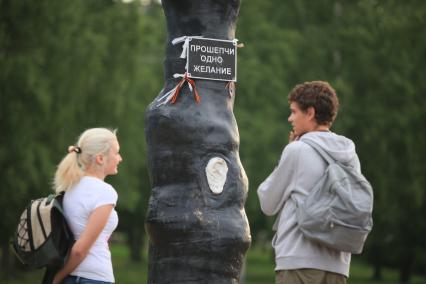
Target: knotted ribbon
{"points": [[172, 95]]}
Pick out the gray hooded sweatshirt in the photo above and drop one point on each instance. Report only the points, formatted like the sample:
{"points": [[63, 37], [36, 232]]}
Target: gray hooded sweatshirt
{"points": [[299, 169]]}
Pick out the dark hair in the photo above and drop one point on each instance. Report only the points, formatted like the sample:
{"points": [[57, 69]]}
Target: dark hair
{"points": [[319, 95]]}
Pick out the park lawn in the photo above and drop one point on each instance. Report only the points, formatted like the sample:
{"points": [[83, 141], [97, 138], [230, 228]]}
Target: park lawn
{"points": [[260, 266], [259, 270]]}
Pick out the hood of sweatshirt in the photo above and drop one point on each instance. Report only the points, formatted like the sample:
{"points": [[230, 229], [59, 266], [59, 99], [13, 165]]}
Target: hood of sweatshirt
{"points": [[337, 146]]}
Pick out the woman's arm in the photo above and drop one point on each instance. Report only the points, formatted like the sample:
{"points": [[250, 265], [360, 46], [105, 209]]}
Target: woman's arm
{"points": [[97, 221]]}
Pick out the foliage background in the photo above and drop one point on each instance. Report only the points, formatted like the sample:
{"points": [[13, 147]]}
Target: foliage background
{"points": [[69, 65]]}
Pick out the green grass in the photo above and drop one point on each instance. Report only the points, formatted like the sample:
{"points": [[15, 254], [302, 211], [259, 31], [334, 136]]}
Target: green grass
{"points": [[260, 266], [259, 270]]}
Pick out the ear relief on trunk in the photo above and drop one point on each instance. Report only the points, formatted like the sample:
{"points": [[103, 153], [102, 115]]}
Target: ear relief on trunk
{"points": [[216, 172]]}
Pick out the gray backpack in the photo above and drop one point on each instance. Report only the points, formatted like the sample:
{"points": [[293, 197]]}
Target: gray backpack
{"points": [[338, 211]]}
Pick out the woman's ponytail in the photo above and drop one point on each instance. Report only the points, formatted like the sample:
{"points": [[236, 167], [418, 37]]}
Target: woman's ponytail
{"points": [[68, 172]]}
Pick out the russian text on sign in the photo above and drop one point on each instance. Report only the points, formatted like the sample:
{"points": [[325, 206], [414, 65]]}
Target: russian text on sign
{"points": [[212, 59]]}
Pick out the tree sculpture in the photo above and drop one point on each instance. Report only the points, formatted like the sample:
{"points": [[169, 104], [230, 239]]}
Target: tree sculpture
{"points": [[196, 221]]}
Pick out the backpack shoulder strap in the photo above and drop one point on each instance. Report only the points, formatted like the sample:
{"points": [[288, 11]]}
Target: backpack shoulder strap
{"points": [[57, 199], [319, 150]]}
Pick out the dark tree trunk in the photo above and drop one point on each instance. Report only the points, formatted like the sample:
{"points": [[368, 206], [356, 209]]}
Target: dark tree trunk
{"points": [[406, 269], [130, 223], [377, 273], [196, 235], [375, 255], [5, 259], [135, 241]]}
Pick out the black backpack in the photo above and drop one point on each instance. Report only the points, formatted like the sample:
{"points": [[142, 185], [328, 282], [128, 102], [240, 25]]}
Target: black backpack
{"points": [[43, 238]]}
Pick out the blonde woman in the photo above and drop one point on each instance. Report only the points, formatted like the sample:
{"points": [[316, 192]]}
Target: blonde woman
{"points": [[89, 206]]}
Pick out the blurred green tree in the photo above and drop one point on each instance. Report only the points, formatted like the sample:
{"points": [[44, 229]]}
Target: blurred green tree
{"points": [[67, 66], [373, 52], [64, 68]]}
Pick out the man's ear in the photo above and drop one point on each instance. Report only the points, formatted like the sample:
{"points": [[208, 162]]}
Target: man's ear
{"points": [[311, 112]]}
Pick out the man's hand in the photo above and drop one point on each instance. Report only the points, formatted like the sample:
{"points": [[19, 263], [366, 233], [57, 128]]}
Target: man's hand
{"points": [[292, 137]]}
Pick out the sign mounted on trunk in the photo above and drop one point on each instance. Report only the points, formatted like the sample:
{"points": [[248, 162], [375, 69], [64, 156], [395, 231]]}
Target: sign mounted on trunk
{"points": [[212, 59]]}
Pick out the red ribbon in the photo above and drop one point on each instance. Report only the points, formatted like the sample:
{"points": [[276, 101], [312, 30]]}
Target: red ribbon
{"points": [[179, 87]]}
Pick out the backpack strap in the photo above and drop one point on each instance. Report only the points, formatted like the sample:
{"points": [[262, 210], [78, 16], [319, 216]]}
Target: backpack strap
{"points": [[57, 203], [40, 220], [29, 226], [59, 206], [319, 150]]}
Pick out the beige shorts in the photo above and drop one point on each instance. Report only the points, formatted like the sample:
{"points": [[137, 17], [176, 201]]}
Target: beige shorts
{"points": [[308, 276]]}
